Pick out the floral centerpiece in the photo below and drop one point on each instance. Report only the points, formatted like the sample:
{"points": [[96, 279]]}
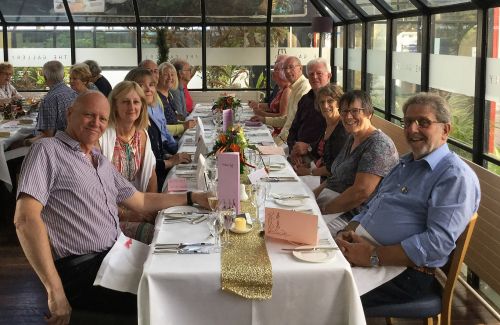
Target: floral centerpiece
{"points": [[233, 140], [227, 102]]}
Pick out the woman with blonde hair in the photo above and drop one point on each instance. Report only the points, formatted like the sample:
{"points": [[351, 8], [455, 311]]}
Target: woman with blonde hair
{"points": [[168, 81], [7, 91], [80, 78], [127, 146]]}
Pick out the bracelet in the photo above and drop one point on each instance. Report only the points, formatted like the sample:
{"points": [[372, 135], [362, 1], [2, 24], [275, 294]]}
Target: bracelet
{"points": [[189, 195]]}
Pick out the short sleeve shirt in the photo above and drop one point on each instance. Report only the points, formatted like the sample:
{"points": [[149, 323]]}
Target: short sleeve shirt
{"points": [[52, 111]]}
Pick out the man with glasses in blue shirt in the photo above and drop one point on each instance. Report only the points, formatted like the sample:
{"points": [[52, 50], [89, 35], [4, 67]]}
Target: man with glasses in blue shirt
{"points": [[419, 211]]}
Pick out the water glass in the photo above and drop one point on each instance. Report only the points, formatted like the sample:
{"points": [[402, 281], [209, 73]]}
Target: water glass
{"points": [[226, 218], [215, 228]]}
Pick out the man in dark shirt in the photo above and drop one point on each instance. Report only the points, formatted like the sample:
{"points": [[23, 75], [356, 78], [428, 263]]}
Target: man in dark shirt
{"points": [[308, 124]]}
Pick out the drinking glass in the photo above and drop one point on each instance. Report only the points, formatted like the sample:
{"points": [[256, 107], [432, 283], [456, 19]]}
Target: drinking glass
{"points": [[213, 200], [25, 107], [212, 169], [215, 228], [226, 218]]}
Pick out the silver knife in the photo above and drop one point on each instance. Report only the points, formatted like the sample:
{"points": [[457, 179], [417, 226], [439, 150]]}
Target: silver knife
{"points": [[310, 249], [182, 245], [179, 251]]}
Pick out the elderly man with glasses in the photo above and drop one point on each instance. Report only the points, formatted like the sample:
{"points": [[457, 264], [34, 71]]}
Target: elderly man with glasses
{"points": [[419, 210], [299, 86]]}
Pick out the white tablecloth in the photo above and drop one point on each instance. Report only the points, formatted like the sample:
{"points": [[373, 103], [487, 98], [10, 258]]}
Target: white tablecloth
{"points": [[186, 289], [17, 132]]}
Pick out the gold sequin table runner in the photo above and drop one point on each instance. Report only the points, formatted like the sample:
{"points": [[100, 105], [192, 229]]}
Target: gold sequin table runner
{"points": [[245, 266]]}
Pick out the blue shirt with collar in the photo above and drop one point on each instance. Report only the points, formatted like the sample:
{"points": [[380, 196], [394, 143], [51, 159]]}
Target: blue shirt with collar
{"points": [[156, 114], [424, 205]]}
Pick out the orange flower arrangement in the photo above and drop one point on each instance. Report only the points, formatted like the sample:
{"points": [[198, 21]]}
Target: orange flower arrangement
{"points": [[233, 140]]}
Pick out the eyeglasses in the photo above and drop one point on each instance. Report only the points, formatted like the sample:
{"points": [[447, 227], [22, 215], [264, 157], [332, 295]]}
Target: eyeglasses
{"points": [[319, 74], [353, 111], [421, 122], [291, 66]]}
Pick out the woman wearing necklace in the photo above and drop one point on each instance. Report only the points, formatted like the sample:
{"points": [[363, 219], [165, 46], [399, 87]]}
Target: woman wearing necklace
{"points": [[329, 145], [7, 91], [126, 144], [168, 81], [367, 156]]}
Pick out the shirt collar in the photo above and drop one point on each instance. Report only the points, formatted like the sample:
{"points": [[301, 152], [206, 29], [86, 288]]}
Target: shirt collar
{"points": [[432, 159], [297, 82], [75, 145]]}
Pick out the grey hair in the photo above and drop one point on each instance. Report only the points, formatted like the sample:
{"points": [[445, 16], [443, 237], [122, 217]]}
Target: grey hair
{"points": [[438, 103], [53, 71], [95, 68], [322, 61]]}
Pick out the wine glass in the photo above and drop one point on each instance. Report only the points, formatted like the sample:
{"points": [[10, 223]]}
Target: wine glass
{"points": [[26, 107], [213, 200], [215, 228], [212, 169], [226, 218]]}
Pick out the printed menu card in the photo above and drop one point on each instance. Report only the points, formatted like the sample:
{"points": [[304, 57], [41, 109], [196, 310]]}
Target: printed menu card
{"points": [[228, 188], [292, 226]]}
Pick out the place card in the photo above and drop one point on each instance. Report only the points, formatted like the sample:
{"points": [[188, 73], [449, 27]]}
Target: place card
{"points": [[271, 150], [256, 175], [291, 226], [228, 188], [199, 130], [227, 119], [176, 184], [200, 174], [201, 149]]}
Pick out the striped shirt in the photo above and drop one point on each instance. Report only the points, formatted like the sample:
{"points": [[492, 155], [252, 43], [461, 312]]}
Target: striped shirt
{"points": [[53, 107], [79, 201]]}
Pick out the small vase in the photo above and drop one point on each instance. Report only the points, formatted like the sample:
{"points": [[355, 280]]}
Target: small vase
{"points": [[243, 193]]}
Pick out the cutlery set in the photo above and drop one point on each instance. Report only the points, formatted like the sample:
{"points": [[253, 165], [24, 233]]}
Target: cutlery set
{"points": [[182, 248], [188, 217]]}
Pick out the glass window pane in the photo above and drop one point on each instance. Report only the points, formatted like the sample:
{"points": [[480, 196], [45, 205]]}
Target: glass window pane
{"points": [[453, 44], [180, 11], [293, 11], [366, 7], [29, 49], [492, 104], [438, 3], [114, 48], [375, 65], [342, 9], [406, 61], [338, 59], [33, 11], [355, 39], [400, 5], [101, 11], [235, 56], [184, 43], [236, 11]]}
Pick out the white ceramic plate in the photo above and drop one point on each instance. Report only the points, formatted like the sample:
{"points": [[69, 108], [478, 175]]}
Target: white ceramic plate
{"points": [[276, 166], [290, 202], [319, 256], [180, 210], [249, 227]]}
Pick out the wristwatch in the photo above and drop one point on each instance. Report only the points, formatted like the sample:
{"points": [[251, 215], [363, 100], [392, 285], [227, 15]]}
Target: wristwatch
{"points": [[374, 260]]}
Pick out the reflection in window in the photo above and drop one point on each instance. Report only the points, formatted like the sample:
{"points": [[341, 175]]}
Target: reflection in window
{"points": [[161, 11], [33, 11], [377, 32], [367, 7], [235, 57], [100, 11], [436, 3], [31, 47], [406, 62], [400, 5], [293, 11], [453, 44], [238, 10]]}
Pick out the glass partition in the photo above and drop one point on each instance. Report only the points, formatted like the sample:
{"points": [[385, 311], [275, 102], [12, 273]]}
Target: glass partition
{"points": [[33, 11], [492, 103], [29, 49], [375, 65], [338, 59], [453, 44], [236, 56], [114, 48], [406, 61], [183, 43], [355, 40]]}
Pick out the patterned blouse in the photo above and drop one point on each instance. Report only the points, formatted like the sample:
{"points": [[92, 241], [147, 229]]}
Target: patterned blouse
{"points": [[127, 156]]}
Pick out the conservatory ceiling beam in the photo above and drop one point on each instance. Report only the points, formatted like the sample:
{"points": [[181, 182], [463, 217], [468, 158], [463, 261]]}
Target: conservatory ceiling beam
{"points": [[383, 8], [354, 9]]}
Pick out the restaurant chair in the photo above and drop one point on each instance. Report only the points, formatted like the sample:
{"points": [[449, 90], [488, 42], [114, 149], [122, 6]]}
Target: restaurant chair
{"points": [[436, 306]]}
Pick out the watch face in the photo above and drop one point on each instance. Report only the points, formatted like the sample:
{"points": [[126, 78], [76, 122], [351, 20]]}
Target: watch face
{"points": [[374, 260]]}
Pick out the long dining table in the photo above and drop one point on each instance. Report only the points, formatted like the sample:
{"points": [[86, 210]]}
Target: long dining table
{"points": [[186, 288]]}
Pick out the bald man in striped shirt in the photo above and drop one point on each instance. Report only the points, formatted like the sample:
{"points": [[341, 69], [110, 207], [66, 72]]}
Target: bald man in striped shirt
{"points": [[67, 215]]}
